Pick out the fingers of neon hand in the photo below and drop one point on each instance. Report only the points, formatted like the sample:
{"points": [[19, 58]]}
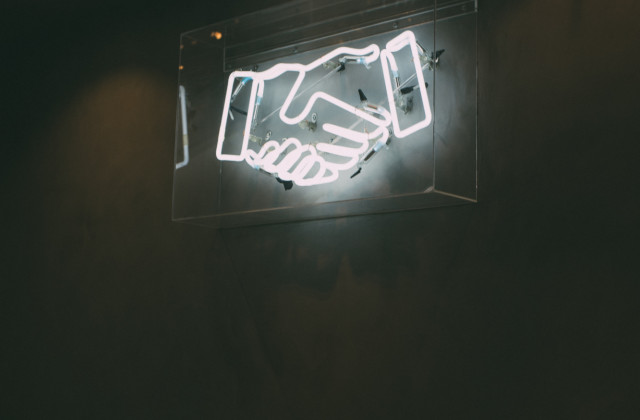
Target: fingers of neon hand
{"points": [[292, 161]]}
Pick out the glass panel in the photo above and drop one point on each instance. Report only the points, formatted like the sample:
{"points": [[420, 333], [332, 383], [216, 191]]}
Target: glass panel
{"points": [[276, 123], [456, 93]]}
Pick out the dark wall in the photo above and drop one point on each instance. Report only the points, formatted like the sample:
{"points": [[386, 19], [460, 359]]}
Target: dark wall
{"points": [[522, 306]]}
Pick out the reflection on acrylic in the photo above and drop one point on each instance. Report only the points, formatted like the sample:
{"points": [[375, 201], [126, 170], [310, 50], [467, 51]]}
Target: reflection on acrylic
{"points": [[293, 161], [185, 135]]}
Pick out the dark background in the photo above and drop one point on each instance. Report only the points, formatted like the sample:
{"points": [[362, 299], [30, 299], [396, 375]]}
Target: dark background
{"points": [[523, 306]]}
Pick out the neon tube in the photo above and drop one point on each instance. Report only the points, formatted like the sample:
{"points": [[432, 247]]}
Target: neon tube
{"points": [[227, 103], [407, 38], [295, 166], [307, 164]]}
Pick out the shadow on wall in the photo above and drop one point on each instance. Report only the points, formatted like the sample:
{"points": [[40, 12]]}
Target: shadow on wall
{"points": [[312, 256]]}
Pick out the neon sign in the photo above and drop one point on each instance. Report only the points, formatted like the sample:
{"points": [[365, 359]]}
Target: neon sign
{"points": [[292, 161]]}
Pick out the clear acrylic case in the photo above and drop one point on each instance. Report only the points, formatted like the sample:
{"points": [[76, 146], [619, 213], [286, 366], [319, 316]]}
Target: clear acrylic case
{"points": [[267, 104]]}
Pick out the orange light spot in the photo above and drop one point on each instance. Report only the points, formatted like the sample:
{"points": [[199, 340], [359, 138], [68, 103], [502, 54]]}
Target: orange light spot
{"points": [[216, 35], [181, 68]]}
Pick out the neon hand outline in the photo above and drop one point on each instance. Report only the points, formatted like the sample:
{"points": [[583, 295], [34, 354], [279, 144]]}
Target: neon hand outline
{"points": [[300, 161]]}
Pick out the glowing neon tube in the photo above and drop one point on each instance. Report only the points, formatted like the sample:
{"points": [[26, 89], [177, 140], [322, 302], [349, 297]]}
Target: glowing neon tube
{"points": [[306, 164], [405, 39]]}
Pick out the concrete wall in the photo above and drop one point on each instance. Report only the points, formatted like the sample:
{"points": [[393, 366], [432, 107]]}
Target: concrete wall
{"points": [[522, 306]]}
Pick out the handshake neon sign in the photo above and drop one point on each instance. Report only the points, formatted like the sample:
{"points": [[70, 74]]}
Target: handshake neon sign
{"points": [[291, 161]]}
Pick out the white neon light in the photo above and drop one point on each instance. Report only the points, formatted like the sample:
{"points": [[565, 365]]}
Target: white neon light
{"points": [[306, 164], [407, 38], [299, 161]]}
